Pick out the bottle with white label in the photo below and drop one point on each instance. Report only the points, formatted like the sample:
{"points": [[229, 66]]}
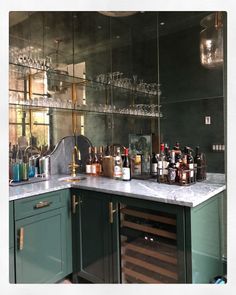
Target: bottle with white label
{"points": [[190, 162], [117, 165], [89, 162], [154, 165], [162, 166], [126, 174]]}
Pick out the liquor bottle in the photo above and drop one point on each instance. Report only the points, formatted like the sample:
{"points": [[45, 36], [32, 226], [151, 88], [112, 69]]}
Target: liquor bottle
{"points": [[162, 166], [172, 169], [126, 173], [167, 153], [197, 157], [107, 150], [183, 171], [190, 162], [178, 154], [200, 164], [100, 158], [96, 166], [25, 167], [89, 162], [117, 165], [154, 165]]}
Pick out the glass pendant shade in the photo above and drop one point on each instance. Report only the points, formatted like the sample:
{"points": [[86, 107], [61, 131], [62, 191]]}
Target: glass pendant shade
{"points": [[211, 41]]}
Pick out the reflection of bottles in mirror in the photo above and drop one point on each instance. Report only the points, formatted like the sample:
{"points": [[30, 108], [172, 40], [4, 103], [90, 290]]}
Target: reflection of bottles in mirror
{"points": [[146, 163]]}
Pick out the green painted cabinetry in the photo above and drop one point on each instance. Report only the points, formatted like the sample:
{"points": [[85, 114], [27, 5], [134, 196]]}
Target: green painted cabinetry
{"points": [[148, 242], [93, 251], [204, 233], [11, 244], [113, 239], [43, 238]]}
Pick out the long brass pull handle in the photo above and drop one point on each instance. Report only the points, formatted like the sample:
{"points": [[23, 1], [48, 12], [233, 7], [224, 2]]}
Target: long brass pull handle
{"points": [[73, 92], [42, 204], [111, 212], [74, 204], [21, 238]]}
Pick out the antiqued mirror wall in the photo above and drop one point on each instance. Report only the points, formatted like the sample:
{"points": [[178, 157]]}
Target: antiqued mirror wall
{"points": [[138, 74], [107, 58]]}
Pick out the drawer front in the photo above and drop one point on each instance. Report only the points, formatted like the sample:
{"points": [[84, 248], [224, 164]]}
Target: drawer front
{"points": [[39, 204]]}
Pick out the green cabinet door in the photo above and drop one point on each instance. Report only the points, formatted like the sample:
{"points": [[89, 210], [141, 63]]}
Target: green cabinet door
{"points": [[92, 236], [43, 238], [41, 250], [203, 241], [11, 244]]}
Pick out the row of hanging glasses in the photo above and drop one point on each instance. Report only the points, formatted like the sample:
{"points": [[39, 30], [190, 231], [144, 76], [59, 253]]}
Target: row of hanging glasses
{"points": [[148, 110], [40, 101], [117, 79], [29, 56]]}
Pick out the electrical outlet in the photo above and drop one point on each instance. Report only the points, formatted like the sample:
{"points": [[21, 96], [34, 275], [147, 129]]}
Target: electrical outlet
{"points": [[207, 120]]}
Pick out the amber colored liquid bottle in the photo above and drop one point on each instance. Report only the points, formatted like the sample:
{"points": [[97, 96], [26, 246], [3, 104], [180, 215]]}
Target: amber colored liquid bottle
{"points": [[100, 158]]}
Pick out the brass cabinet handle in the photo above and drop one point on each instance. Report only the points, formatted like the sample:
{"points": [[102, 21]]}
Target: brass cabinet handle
{"points": [[74, 204], [42, 204], [111, 212], [21, 238]]}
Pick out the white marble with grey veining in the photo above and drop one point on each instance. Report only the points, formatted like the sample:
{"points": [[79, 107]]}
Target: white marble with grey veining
{"points": [[189, 196]]}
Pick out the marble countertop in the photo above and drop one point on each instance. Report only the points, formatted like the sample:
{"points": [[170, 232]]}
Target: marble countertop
{"points": [[189, 196]]}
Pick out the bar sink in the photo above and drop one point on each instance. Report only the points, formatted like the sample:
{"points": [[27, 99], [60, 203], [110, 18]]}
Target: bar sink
{"points": [[72, 179]]}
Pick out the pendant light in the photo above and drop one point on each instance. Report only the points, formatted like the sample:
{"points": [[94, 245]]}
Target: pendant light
{"points": [[211, 41]]}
